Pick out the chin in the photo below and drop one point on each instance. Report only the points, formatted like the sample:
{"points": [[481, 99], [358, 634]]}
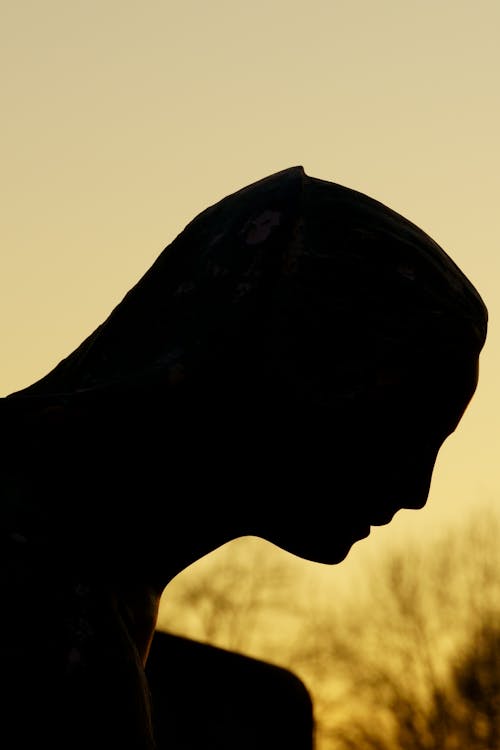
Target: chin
{"points": [[327, 552], [340, 553]]}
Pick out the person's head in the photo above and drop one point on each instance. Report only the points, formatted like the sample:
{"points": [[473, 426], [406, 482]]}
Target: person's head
{"points": [[289, 368], [345, 351]]}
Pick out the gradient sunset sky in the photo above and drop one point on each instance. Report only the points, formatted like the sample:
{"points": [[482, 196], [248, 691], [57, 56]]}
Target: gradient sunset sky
{"points": [[122, 120]]}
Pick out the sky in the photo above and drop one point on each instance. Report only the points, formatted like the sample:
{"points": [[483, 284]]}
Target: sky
{"points": [[122, 120]]}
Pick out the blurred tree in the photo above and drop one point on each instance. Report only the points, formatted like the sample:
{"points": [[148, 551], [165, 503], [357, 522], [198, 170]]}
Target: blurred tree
{"points": [[469, 704], [409, 661], [229, 599], [414, 662]]}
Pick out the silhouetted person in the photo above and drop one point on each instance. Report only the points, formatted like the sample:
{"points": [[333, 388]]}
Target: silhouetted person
{"points": [[288, 368]]}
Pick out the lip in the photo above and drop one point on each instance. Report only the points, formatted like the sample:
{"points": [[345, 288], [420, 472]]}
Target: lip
{"points": [[363, 531], [383, 517]]}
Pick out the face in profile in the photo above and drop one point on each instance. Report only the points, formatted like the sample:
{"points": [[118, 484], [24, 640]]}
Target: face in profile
{"points": [[331, 476]]}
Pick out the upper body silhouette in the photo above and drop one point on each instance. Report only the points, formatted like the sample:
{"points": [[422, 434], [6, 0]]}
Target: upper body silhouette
{"points": [[288, 368]]}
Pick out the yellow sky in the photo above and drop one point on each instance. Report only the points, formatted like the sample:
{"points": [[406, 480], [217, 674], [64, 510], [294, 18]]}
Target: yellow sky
{"points": [[121, 120]]}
